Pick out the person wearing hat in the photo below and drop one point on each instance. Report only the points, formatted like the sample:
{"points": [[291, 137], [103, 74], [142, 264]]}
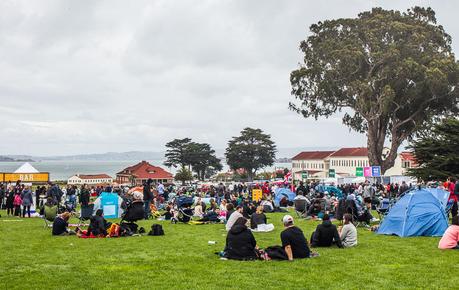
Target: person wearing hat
{"points": [[293, 240]]}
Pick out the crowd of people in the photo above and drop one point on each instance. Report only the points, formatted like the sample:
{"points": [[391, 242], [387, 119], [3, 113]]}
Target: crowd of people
{"points": [[233, 206]]}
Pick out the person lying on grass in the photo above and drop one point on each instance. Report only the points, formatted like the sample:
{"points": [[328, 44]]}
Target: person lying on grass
{"points": [[450, 239], [325, 234], [240, 242], [60, 225], [348, 233], [293, 240]]}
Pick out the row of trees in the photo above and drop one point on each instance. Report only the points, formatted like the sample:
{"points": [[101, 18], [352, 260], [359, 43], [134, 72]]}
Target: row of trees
{"points": [[250, 151]]}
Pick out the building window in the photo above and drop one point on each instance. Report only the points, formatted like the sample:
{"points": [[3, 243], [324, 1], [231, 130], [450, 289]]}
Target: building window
{"points": [[406, 164]]}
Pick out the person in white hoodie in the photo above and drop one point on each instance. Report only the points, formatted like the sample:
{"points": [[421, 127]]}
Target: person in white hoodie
{"points": [[348, 233], [234, 217]]}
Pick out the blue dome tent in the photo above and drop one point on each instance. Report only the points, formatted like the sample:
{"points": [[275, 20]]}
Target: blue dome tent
{"points": [[417, 213], [281, 193]]}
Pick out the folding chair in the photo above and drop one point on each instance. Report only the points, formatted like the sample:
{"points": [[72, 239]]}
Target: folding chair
{"points": [[383, 208], [85, 213], [49, 214], [301, 207]]}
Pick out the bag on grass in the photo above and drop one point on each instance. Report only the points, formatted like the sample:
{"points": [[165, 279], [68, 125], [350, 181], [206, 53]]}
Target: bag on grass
{"points": [[156, 230], [276, 253]]}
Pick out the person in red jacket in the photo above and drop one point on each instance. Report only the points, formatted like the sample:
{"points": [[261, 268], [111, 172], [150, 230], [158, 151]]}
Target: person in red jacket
{"points": [[452, 195]]}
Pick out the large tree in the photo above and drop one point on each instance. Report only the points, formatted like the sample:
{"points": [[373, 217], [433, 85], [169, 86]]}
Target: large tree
{"points": [[199, 157], [437, 152], [389, 73], [203, 160], [177, 153], [252, 150]]}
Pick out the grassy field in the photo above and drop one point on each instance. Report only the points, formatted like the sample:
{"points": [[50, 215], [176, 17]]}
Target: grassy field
{"points": [[182, 259]]}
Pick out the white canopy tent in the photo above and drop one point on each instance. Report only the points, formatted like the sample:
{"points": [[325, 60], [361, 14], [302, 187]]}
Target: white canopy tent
{"points": [[26, 168]]}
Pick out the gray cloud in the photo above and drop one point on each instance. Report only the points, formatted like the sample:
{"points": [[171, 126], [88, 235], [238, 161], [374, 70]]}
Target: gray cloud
{"points": [[96, 76]]}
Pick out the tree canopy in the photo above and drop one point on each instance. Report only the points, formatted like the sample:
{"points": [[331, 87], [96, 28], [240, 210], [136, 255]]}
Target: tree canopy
{"points": [[200, 157], [252, 150], [389, 73], [437, 152]]}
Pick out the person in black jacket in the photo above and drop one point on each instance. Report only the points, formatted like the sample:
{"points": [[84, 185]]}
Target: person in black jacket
{"points": [[98, 225], [240, 242], [84, 195], [257, 218], [60, 225], [325, 234], [147, 197]]}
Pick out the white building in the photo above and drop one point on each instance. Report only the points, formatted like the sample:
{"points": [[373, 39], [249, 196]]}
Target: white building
{"points": [[316, 164], [90, 179]]}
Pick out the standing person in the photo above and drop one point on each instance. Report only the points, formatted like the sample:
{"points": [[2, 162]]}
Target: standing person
{"points": [[2, 194], [160, 189], [348, 233], [37, 197], [9, 200], [293, 240], [27, 201], [451, 185], [85, 195], [147, 197], [17, 202]]}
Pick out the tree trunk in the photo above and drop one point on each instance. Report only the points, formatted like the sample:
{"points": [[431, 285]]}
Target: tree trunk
{"points": [[375, 142]]}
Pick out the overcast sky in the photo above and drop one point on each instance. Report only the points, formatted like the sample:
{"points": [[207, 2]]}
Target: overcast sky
{"points": [[97, 76]]}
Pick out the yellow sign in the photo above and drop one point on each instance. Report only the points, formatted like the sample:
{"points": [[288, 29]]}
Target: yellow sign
{"points": [[257, 194], [25, 177]]}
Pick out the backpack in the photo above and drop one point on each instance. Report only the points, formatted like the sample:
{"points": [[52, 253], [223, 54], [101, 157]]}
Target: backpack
{"points": [[156, 230], [276, 253]]}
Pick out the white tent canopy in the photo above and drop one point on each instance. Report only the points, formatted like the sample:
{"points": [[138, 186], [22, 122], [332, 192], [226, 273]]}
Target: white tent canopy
{"points": [[26, 168]]}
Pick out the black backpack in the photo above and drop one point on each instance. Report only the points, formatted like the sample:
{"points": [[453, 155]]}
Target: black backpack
{"points": [[156, 230], [276, 253]]}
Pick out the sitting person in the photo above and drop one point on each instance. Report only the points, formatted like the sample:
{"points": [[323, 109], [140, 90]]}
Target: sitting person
{"points": [[348, 233], [136, 210], [169, 212], [257, 218], [240, 242], [315, 209], [450, 239], [293, 240], [325, 234], [198, 211], [267, 205], [233, 217], [60, 225], [98, 225]]}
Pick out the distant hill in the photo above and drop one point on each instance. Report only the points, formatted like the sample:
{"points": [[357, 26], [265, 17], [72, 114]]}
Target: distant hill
{"points": [[14, 159], [283, 155]]}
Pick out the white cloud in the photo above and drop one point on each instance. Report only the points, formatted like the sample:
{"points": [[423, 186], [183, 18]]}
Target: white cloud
{"points": [[96, 76]]}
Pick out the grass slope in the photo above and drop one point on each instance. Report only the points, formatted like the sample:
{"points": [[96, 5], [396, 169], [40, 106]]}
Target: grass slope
{"points": [[182, 259]]}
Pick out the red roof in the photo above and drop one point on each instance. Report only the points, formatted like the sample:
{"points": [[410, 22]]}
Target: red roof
{"points": [[144, 170], [312, 155], [94, 176], [353, 152], [408, 156]]}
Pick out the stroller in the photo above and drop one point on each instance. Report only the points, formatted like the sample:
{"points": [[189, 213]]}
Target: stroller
{"points": [[183, 212]]}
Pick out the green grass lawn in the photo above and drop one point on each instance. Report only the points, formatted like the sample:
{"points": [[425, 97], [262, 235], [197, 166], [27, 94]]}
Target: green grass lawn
{"points": [[182, 259]]}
